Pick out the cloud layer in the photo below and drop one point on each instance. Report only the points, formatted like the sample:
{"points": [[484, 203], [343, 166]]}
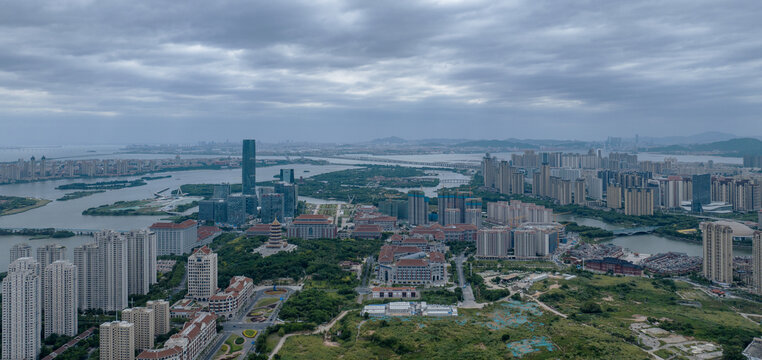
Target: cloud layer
{"points": [[176, 71]]}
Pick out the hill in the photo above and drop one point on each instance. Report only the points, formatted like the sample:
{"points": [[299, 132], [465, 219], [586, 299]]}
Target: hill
{"points": [[732, 147]]}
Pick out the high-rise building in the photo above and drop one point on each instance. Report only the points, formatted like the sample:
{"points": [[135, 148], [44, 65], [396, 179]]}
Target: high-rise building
{"points": [[161, 315], [614, 197], [175, 239], [22, 324], [141, 257], [756, 261], [50, 253], [115, 270], [290, 198], [145, 322], [474, 217], [489, 171], [87, 261], [249, 167], [578, 192], [287, 176], [493, 243], [19, 251], [451, 216], [418, 207], [202, 274], [60, 298], [236, 209], [221, 191], [718, 251], [117, 341], [272, 207], [638, 201], [702, 192]]}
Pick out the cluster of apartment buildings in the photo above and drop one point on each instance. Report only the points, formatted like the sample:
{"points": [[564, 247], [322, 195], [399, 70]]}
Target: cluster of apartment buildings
{"points": [[529, 240]]}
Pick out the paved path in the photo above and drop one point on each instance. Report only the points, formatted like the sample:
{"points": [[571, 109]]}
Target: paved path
{"points": [[469, 301]]}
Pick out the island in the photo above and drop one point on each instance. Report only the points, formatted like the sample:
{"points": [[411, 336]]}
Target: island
{"points": [[78, 194], [10, 205], [127, 208], [103, 185]]}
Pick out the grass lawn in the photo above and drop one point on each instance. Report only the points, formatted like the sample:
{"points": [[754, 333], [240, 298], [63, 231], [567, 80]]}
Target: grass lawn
{"points": [[20, 209], [266, 301]]}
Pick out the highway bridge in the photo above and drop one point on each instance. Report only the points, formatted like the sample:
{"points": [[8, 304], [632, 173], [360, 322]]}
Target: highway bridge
{"points": [[634, 231]]}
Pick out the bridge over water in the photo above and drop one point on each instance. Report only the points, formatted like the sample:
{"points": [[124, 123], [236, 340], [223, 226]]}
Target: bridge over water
{"points": [[634, 231]]}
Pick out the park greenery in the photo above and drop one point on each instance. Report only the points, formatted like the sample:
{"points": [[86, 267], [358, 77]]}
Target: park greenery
{"points": [[588, 233], [78, 194], [165, 287], [314, 306], [103, 185], [185, 207], [13, 204]]}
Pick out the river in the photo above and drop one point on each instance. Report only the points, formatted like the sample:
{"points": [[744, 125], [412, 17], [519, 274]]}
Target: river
{"points": [[646, 243]]}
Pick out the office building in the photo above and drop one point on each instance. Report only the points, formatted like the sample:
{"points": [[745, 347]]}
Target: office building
{"points": [[117, 341], [22, 323], [493, 243], [417, 207], [290, 194], [638, 201], [272, 207], [756, 260], [202, 274], [702, 192], [221, 191], [144, 324], [287, 176], [60, 298], [175, 239], [249, 167], [141, 257], [19, 251], [718, 251], [161, 315], [312, 227], [236, 210]]}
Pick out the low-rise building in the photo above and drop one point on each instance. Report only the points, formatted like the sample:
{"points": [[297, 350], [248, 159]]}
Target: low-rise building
{"points": [[312, 227], [409, 308], [230, 301], [367, 232], [404, 292], [187, 344], [616, 266]]}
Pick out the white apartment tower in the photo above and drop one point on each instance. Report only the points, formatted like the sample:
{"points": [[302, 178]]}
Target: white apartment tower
{"points": [[22, 323], [60, 298], [20, 250], [141, 261], [117, 341], [202, 274], [144, 321], [718, 252], [88, 265]]}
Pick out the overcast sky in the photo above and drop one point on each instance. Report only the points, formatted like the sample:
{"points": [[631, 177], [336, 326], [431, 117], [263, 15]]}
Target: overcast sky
{"points": [[183, 71]]}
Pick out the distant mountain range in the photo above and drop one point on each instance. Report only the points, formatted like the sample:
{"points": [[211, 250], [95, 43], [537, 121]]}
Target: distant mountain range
{"points": [[702, 138], [732, 147]]}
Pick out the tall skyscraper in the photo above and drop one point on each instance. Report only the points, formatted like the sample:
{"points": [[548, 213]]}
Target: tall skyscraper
{"points": [[418, 207], [290, 198], [489, 171], [221, 191], [87, 261], [718, 251], [756, 261], [117, 341], [145, 322], [114, 277], [702, 192], [20, 250], [202, 274], [141, 257], [287, 176], [60, 298], [161, 315], [249, 167], [272, 207], [22, 324]]}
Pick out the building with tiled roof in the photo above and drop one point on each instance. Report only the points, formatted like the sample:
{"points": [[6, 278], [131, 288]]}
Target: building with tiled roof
{"points": [[202, 274], [411, 265], [311, 226], [187, 344], [367, 232], [259, 230], [230, 301], [175, 239]]}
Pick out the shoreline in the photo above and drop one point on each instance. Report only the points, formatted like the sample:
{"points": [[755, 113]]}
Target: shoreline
{"points": [[39, 203]]}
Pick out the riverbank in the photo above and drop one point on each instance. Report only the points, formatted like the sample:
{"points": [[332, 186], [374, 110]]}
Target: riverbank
{"points": [[78, 195], [10, 205]]}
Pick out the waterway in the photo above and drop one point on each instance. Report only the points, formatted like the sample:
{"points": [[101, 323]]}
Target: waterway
{"points": [[646, 243]]}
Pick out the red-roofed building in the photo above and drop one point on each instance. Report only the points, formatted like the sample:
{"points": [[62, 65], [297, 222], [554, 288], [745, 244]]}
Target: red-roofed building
{"points": [[187, 344], [312, 227], [387, 223], [410, 265], [259, 230], [227, 303], [175, 239], [460, 232], [367, 232], [207, 233]]}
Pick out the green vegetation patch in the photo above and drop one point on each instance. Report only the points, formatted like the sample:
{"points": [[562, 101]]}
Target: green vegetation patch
{"points": [[103, 185], [78, 194], [10, 205], [126, 208]]}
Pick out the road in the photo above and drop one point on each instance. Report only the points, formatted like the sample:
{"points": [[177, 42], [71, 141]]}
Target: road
{"points": [[363, 289], [239, 323], [321, 329], [469, 301]]}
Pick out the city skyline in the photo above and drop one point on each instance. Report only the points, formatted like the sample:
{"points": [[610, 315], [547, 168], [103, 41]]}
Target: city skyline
{"points": [[334, 70]]}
